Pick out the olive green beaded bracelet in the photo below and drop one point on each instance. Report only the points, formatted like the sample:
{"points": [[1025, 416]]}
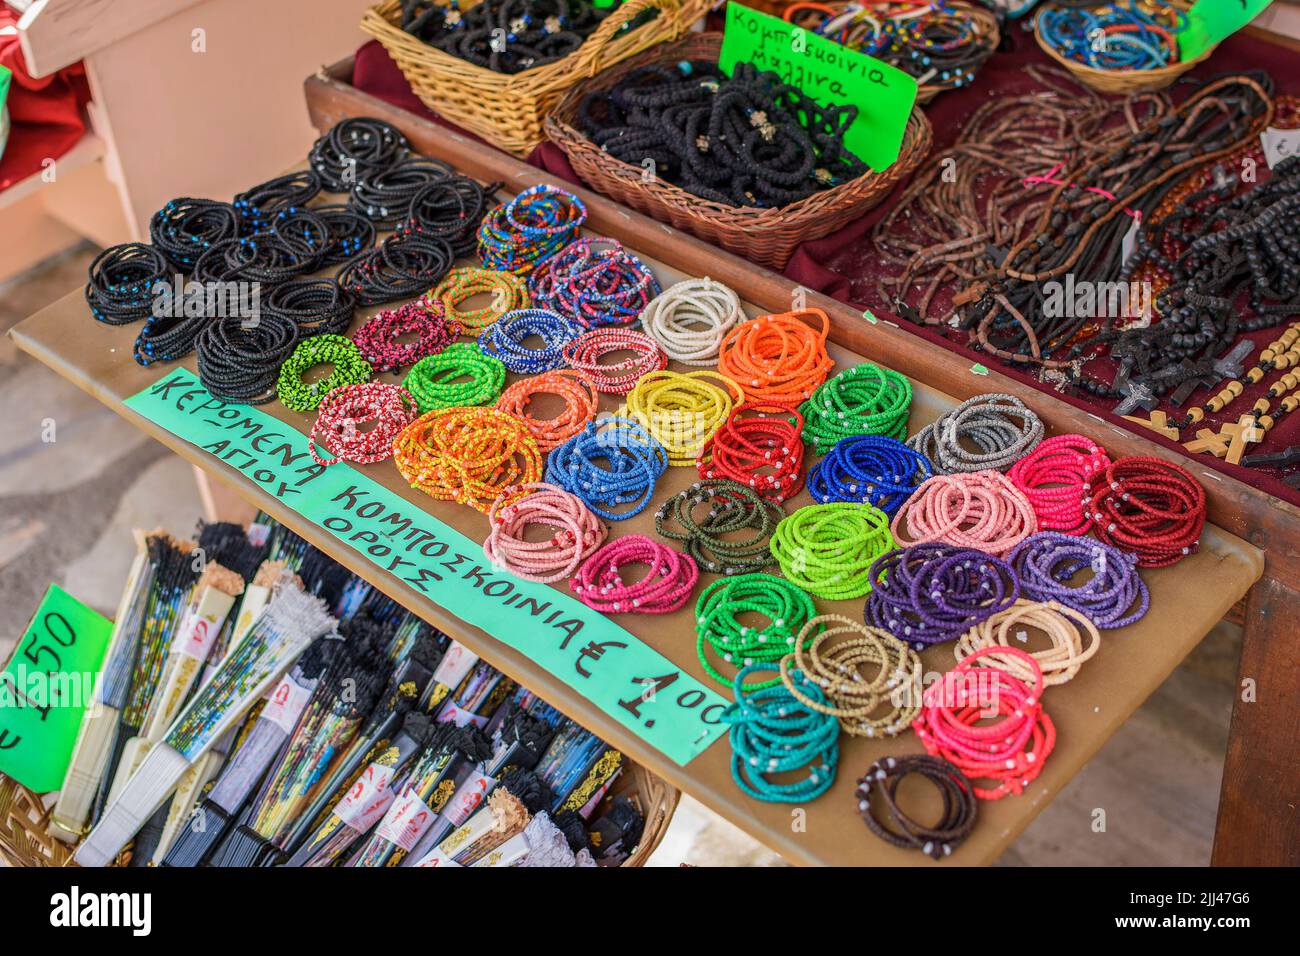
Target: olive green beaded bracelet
{"points": [[432, 380], [863, 400], [828, 549], [720, 608], [732, 507], [350, 368]]}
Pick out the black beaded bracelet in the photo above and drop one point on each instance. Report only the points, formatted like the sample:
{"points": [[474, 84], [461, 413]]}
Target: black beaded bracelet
{"points": [[879, 787], [384, 197], [258, 206], [239, 359], [120, 287], [350, 233], [401, 267], [354, 148], [313, 305], [184, 228], [451, 210]]}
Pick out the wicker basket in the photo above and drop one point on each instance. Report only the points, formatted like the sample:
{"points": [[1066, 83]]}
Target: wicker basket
{"points": [[1120, 81], [508, 110], [767, 237], [984, 23], [25, 842]]}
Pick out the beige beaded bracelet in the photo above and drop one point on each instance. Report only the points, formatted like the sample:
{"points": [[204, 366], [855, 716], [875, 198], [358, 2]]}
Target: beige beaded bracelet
{"points": [[1065, 626]]}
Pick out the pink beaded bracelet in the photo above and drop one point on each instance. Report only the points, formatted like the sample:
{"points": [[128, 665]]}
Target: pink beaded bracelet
{"points": [[584, 355], [578, 533], [666, 588], [1056, 478], [390, 407], [978, 509], [378, 338]]}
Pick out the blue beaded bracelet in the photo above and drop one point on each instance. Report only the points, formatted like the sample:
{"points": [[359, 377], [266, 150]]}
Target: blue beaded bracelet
{"points": [[772, 732], [633, 459], [505, 338], [870, 469]]}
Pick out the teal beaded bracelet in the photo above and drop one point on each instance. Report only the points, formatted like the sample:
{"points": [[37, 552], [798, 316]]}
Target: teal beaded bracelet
{"points": [[350, 368], [773, 733]]}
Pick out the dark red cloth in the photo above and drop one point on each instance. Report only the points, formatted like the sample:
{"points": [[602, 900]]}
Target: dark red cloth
{"points": [[46, 114], [832, 264]]}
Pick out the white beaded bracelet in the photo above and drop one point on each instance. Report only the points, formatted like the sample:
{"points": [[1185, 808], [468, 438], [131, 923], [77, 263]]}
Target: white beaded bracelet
{"points": [[690, 318]]}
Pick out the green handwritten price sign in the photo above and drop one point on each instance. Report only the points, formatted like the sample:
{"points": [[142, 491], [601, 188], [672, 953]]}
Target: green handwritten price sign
{"points": [[830, 74], [1209, 21], [608, 665], [45, 689]]}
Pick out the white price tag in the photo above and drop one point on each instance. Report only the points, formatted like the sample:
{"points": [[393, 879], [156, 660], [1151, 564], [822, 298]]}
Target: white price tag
{"points": [[1129, 243], [285, 703], [368, 799], [467, 798], [406, 821], [1279, 144]]}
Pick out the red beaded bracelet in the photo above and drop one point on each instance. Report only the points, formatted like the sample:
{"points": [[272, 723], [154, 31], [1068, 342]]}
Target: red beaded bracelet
{"points": [[584, 354], [1053, 477], [1149, 507], [760, 447], [390, 407], [580, 402], [666, 588], [1012, 749], [378, 338]]}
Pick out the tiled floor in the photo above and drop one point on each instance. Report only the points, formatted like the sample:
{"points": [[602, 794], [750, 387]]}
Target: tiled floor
{"points": [[67, 507]]}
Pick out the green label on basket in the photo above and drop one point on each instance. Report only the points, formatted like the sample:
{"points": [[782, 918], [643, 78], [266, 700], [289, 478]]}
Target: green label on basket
{"points": [[46, 688], [1209, 21], [831, 74], [633, 683]]}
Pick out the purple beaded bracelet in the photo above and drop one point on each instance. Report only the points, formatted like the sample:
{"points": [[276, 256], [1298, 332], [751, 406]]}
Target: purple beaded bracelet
{"points": [[1112, 596], [931, 592]]}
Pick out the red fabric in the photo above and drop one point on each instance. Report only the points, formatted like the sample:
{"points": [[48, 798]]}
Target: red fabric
{"points": [[46, 113], [832, 264]]}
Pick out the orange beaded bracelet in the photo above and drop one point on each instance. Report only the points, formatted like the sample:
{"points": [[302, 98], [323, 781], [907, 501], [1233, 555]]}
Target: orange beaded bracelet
{"points": [[778, 358], [580, 400]]}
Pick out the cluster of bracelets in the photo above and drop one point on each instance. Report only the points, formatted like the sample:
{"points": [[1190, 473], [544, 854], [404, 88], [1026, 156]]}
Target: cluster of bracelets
{"points": [[870, 469], [433, 379], [529, 229], [863, 400], [931, 593], [879, 788], [348, 368], [595, 282], [506, 340], [773, 735], [353, 148], [380, 338], [578, 533], [1054, 477], [183, 229], [786, 608], [665, 588], [689, 320], [1118, 36], [1064, 626], [1001, 427], [240, 361], [473, 456], [982, 510], [733, 509], [450, 209], [579, 400], [682, 410], [759, 445], [399, 268], [1047, 566], [871, 682], [384, 196], [633, 462], [778, 358], [584, 355], [120, 288], [1010, 750], [829, 550], [314, 305], [508, 291], [1149, 507], [386, 409]]}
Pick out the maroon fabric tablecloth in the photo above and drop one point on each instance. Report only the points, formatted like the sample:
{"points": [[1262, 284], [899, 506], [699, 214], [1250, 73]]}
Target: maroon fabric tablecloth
{"points": [[842, 264]]}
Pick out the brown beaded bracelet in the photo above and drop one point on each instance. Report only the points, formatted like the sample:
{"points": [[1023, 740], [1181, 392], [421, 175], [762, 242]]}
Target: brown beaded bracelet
{"points": [[959, 805]]}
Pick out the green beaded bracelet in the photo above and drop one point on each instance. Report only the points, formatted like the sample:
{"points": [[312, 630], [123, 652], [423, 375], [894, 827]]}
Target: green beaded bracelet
{"points": [[328, 349], [725, 601], [432, 380], [732, 507], [828, 549], [863, 400]]}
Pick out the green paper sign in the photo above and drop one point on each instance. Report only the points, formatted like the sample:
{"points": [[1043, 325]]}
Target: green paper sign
{"points": [[46, 687], [1209, 21], [5, 77], [633, 683], [831, 74]]}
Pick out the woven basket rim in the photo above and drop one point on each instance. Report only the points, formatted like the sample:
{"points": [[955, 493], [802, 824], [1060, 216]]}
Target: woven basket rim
{"points": [[559, 128]]}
